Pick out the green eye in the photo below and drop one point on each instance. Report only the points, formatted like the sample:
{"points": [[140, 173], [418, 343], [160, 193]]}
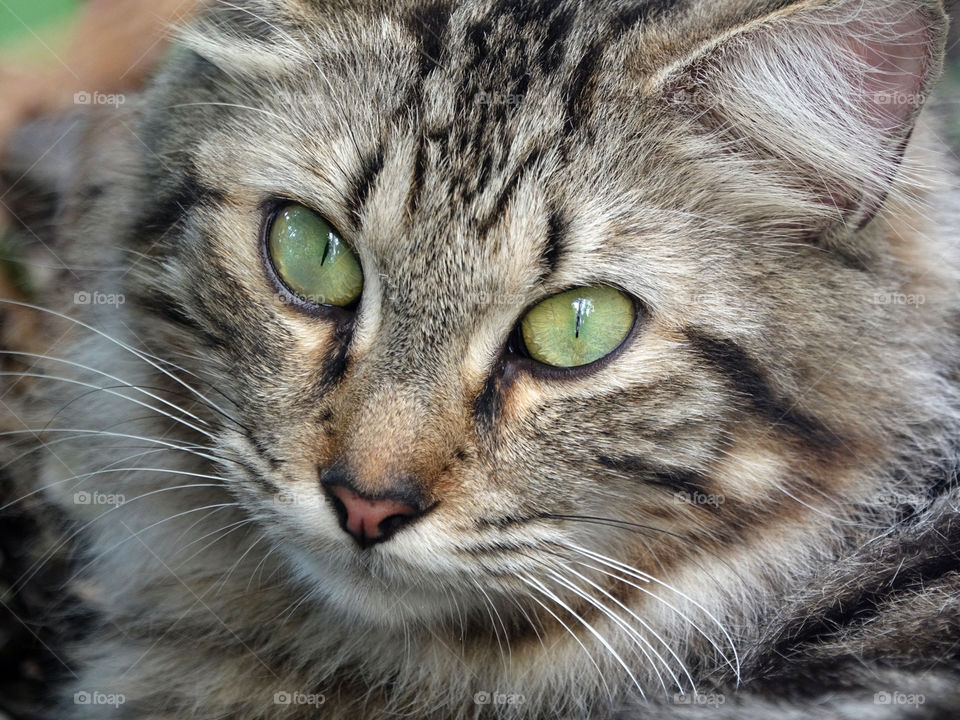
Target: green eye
{"points": [[578, 327], [312, 260]]}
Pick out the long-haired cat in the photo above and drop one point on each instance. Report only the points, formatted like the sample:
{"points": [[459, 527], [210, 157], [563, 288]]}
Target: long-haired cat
{"points": [[504, 359]]}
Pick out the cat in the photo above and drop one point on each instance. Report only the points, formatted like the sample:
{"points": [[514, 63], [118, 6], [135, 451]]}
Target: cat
{"points": [[485, 358]]}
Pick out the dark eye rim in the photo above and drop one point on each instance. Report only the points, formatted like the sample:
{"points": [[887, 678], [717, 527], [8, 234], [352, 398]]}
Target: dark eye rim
{"points": [[285, 294], [517, 356]]}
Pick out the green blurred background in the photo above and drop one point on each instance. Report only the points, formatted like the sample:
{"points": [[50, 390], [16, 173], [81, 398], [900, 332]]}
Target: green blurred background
{"points": [[19, 19]]}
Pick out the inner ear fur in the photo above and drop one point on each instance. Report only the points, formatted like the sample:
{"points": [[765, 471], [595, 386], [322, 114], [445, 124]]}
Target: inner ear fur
{"points": [[822, 96]]}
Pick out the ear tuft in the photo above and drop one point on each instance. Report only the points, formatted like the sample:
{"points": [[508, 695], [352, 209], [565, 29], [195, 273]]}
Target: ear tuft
{"points": [[39, 166], [56, 168], [827, 93]]}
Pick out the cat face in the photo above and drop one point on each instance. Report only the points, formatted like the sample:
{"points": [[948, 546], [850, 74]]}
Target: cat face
{"points": [[475, 160]]}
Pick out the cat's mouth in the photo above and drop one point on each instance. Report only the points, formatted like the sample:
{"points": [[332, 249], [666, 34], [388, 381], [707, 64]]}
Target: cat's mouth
{"points": [[422, 572], [381, 586]]}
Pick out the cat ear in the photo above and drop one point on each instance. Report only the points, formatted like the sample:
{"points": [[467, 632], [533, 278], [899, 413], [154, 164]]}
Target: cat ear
{"points": [[35, 168], [54, 167], [823, 95]]}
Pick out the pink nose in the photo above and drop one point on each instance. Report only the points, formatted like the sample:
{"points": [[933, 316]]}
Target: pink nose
{"points": [[370, 521]]}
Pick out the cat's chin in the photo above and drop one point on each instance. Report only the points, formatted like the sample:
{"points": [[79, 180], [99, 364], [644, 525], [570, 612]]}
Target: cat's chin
{"points": [[373, 593]]}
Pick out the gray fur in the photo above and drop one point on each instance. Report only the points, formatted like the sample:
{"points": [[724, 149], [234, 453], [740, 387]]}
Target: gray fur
{"points": [[710, 159]]}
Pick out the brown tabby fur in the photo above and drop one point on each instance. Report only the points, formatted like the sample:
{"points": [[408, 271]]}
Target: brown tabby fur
{"points": [[748, 511]]}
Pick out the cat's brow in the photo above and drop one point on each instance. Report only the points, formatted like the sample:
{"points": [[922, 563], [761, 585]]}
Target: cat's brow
{"points": [[554, 243], [363, 182]]}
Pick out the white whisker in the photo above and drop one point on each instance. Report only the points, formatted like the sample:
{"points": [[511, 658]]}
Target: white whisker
{"points": [[259, 567], [646, 626], [64, 542], [80, 432], [108, 470], [593, 631], [123, 382], [638, 641], [139, 532], [111, 391], [223, 582], [128, 348], [610, 562], [231, 527], [488, 604]]}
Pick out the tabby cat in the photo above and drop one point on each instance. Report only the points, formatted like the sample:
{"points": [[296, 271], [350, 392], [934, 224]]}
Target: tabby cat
{"points": [[503, 359]]}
